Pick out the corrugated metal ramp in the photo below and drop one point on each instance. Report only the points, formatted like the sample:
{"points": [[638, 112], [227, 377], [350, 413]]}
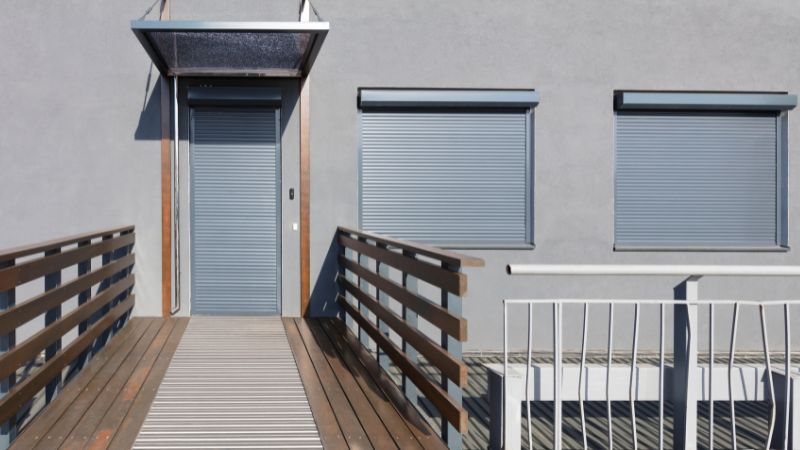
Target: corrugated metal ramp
{"points": [[233, 383]]}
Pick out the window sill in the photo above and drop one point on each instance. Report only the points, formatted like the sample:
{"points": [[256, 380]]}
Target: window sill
{"points": [[710, 249]]}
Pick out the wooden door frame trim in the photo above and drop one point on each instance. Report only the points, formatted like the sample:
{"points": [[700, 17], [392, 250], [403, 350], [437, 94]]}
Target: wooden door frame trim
{"points": [[166, 188], [305, 196]]}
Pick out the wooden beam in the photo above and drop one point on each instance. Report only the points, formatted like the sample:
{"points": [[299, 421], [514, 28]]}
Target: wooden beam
{"points": [[166, 189], [305, 197], [446, 256], [455, 282], [450, 366], [24, 391], [433, 313], [453, 412]]}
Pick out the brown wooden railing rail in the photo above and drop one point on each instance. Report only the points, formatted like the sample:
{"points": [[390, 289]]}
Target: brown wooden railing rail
{"points": [[96, 315], [367, 293]]}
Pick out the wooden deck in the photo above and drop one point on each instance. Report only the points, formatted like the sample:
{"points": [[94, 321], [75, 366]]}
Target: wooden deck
{"points": [[348, 393], [133, 393], [106, 403]]}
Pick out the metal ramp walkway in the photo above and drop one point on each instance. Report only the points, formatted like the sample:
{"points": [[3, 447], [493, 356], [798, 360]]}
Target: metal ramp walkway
{"points": [[232, 383]]}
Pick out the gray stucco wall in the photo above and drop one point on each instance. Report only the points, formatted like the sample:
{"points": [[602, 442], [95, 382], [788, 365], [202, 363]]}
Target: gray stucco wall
{"points": [[80, 122], [575, 54]]}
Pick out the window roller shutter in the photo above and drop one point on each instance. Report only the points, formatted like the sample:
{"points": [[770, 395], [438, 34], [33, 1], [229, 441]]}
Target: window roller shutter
{"points": [[696, 179], [446, 176]]}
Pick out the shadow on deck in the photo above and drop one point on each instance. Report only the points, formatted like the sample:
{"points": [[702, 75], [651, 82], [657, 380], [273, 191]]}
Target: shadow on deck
{"points": [[355, 404]]}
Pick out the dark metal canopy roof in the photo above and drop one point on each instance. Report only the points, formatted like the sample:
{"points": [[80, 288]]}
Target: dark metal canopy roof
{"points": [[202, 48]]}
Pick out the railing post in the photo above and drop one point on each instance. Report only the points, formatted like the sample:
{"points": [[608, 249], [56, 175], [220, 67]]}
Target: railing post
{"points": [[108, 257], [410, 285], [8, 430], [52, 281], [83, 268], [686, 376], [383, 271], [121, 253], [450, 434], [348, 321], [364, 287]]}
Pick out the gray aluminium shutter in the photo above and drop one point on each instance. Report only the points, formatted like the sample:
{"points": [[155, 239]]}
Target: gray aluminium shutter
{"points": [[696, 180], [234, 210], [446, 177]]}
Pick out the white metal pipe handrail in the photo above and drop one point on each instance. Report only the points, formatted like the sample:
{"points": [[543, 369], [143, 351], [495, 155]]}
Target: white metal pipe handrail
{"points": [[652, 270], [656, 301]]}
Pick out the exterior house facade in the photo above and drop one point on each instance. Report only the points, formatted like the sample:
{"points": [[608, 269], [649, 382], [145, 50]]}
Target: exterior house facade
{"points": [[82, 139], [295, 171]]}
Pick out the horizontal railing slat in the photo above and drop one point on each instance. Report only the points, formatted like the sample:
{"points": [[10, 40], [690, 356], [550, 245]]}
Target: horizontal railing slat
{"points": [[449, 257], [27, 250], [22, 313], [449, 409], [453, 282], [31, 347], [22, 392], [433, 313], [22, 273], [450, 366]]}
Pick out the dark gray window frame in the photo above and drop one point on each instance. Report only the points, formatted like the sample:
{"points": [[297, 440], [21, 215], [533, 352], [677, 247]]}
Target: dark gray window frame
{"points": [[778, 103], [462, 100]]}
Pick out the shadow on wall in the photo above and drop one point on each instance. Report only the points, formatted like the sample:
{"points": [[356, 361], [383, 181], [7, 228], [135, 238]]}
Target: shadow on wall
{"points": [[149, 126], [323, 295]]}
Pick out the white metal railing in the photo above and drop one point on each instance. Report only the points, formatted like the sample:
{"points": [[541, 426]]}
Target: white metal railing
{"points": [[688, 378]]}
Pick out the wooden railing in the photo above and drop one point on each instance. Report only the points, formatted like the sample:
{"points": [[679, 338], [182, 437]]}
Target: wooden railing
{"points": [[367, 292], [96, 315]]}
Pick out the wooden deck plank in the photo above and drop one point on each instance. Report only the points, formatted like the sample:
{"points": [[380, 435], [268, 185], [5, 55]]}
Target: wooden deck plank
{"points": [[329, 430], [83, 403], [351, 427], [416, 423], [112, 354], [125, 435], [384, 409], [378, 434], [128, 376]]}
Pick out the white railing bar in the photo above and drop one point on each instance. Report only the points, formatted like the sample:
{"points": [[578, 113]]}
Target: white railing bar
{"points": [[580, 374], [643, 269], [557, 377], [769, 375], [580, 301], [711, 376], [787, 370], [505, 369], [730, 374], [528, 376], [608, 375], [633, 371], [661, 382]]}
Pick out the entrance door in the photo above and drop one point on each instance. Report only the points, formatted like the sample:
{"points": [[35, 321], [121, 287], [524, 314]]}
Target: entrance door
{"points": [[235, 204]]}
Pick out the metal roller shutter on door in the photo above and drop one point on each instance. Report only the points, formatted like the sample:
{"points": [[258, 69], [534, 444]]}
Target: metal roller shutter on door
{"points": [[235, 204], [696, 179], [445, 177]]}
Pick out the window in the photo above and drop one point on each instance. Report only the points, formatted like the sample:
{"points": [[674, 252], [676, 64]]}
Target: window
{"points": [[700, 170], [447, 167]]}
